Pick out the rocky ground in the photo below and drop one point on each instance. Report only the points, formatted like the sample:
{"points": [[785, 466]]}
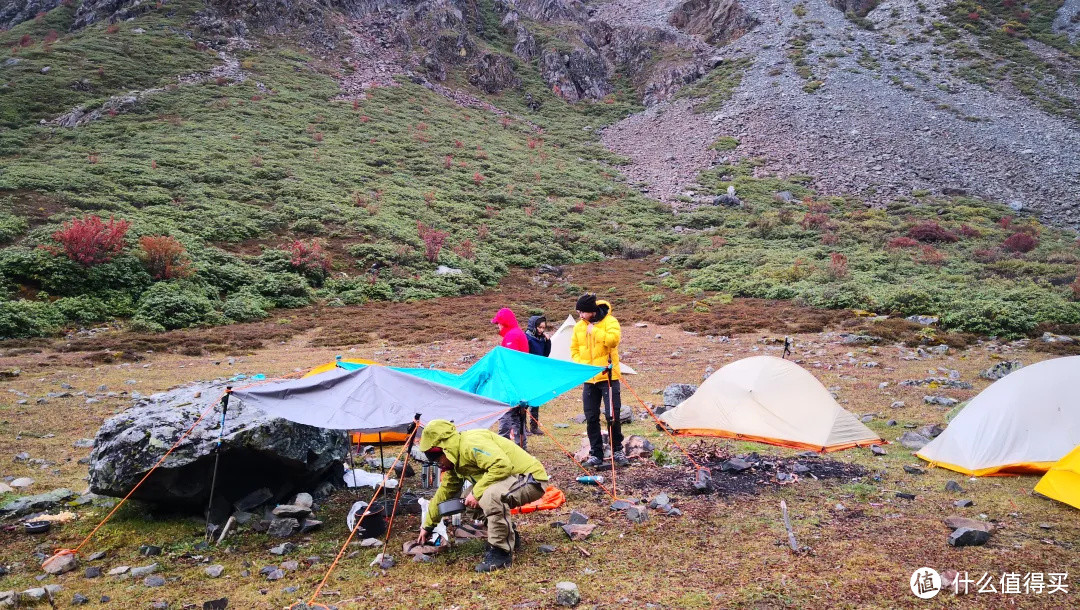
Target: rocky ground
{"points": [[876, 126], [844, 506]]}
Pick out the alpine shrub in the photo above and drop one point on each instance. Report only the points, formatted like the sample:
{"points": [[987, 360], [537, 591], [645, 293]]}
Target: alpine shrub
{"points": [[91, 241], [931, 232], [309, 259], [164, 257], [19, 319], [1021, 242], [433, 240], [174, 305]]}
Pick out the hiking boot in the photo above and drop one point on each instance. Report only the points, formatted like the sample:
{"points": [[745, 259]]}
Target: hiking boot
{"points": [[537, 431], [517, 537], [494, 559], [620, 459], [593, 462]]}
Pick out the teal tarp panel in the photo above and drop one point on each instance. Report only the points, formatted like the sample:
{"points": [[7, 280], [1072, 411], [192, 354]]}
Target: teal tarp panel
{"points": [[510, 376]]}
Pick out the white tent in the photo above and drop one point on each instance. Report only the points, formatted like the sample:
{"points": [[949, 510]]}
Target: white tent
{"points": [[769, 400], [560, 345], [1022, 423]]}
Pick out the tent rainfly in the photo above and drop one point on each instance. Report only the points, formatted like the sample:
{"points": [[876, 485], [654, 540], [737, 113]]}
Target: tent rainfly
{"points": [[560, 346], [1021, 424], [769, 400], [1062, 481], [370, 399]]}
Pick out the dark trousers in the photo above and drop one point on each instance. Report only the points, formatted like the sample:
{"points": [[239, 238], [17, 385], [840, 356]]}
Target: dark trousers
{"points": [[534, 419], [592, 396], [512, 426]]}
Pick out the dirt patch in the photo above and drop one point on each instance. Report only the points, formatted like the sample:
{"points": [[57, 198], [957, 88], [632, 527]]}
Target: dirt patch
{"points": [[35, 207]]}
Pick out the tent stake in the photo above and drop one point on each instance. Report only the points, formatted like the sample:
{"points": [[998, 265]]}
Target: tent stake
{"points": [[352, 463], [217, 458], [382, 460]]}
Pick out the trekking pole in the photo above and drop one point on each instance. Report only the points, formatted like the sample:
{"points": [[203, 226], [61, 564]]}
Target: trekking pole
{"points": [[217, 457], [610, 438]]}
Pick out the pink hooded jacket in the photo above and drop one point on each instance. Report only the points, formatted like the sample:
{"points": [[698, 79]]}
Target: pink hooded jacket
{"points": [[511, 333]]}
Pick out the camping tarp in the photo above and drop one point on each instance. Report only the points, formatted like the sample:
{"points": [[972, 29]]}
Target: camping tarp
{"points": [[370, 399], [1062, 481], [514, 377], [1021, 424], [769, 400], [354, 363], [560, 346]]}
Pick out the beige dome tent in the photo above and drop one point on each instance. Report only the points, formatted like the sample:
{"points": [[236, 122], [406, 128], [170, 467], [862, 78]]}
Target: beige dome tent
{"points": [[1021, 424], [769, 400], [560, 345]]}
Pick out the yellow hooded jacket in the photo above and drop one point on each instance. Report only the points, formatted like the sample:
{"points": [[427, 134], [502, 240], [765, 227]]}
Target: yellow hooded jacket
{"points": [[601, 346], [480, 456]]}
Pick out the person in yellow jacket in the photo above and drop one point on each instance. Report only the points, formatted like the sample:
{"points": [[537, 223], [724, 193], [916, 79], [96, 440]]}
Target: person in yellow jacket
{"points": [[595, 341], [504, 476]]}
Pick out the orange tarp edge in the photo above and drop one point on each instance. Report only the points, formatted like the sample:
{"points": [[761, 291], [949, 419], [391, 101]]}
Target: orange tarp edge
{"points": [[998, 471], [777, 442], [329, 366]]}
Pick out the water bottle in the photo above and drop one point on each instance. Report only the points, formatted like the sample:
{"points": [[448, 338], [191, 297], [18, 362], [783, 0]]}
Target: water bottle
{"points": [[594, 479]]}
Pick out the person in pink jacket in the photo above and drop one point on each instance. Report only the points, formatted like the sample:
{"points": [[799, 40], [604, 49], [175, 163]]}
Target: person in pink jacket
{"points": [[512, 335], [512, 424]]}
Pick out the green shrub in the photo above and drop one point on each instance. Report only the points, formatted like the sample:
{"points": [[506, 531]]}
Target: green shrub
{"points": [[11, 227], [19, 319], [245, 306], [175, 305], [286, 290], [84, 309]]}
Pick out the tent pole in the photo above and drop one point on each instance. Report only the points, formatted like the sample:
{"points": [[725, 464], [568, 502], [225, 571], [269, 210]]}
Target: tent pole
{"points": [[382, 460], [217, 458], [352, 463]]}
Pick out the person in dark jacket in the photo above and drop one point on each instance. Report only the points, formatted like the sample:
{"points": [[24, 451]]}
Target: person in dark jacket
{"points": [[512, 423], [539, 345]]}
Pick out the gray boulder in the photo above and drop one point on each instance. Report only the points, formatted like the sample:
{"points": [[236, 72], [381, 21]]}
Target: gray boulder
{"points": [[257, 451], [676, 393], [914, 440]]}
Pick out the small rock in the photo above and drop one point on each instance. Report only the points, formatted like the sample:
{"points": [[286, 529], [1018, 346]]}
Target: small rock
{"points": [[61, 564], [223, 603], [866, 419], [908, 468], [637, 514], [943, 401], [735, 465], [283, 548], [92, 572], [968, 537], [154, 580], [117, 571], [144, 570], [22, 482], [148, 550], [562, 426], [620, 505], [283, 528], [276, 574], [578, 532], [78, 600], [290, 566], [578, 518], [661, 499], [310, 525], [303, 500], [215, 571], [21, 457], [1001, 369], [285, 511], [370, 542], [160, 605], [955, 522], [963, 503], [899, 404], [546, 548], [566, 594], [954, 487]]}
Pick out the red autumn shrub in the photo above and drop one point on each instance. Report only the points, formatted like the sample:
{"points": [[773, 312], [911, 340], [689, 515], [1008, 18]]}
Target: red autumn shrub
{"points": [[815, 220], [1021, 242], [901, 242], [969, 231], [529, 210], [364, 118], [482, 232], [931, 232], [505, 122], [308, 257], [718, 241], [478, 178], [465, 250], [830, 239], [91, 241], [429, 197], [153, 164], [1005, 222], [578, 207], [838, 266], [112, 29], [458, 144], [318, 136], [433, 240], [164, 257], [931, 256], [985, 255], [50, 37], [448, 162]]}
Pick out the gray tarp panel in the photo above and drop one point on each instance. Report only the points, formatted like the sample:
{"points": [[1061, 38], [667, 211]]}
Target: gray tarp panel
{"points": [[371, 399]]}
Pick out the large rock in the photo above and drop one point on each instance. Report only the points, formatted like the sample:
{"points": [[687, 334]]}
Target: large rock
{"points": [[913, 440], [257, 451], [14, 12], [1001, 369], [676, 393], [717, 21]]}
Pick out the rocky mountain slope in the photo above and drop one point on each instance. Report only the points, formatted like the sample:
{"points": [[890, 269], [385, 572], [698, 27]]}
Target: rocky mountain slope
{"points": [[882, 106]]}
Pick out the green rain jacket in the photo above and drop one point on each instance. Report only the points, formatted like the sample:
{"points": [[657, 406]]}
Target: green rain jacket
{"points": [[480, 456]]}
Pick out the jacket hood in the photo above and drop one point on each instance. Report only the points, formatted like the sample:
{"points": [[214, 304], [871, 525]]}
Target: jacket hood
{"points": [[605, 309], [533, 321], [505, 319], [442, 434]]}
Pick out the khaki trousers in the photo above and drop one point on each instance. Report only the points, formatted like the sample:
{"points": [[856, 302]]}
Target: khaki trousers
{"points": [[511, 492]]}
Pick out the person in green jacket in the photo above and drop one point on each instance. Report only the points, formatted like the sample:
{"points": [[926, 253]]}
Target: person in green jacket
{"points": [[504, 476]]}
